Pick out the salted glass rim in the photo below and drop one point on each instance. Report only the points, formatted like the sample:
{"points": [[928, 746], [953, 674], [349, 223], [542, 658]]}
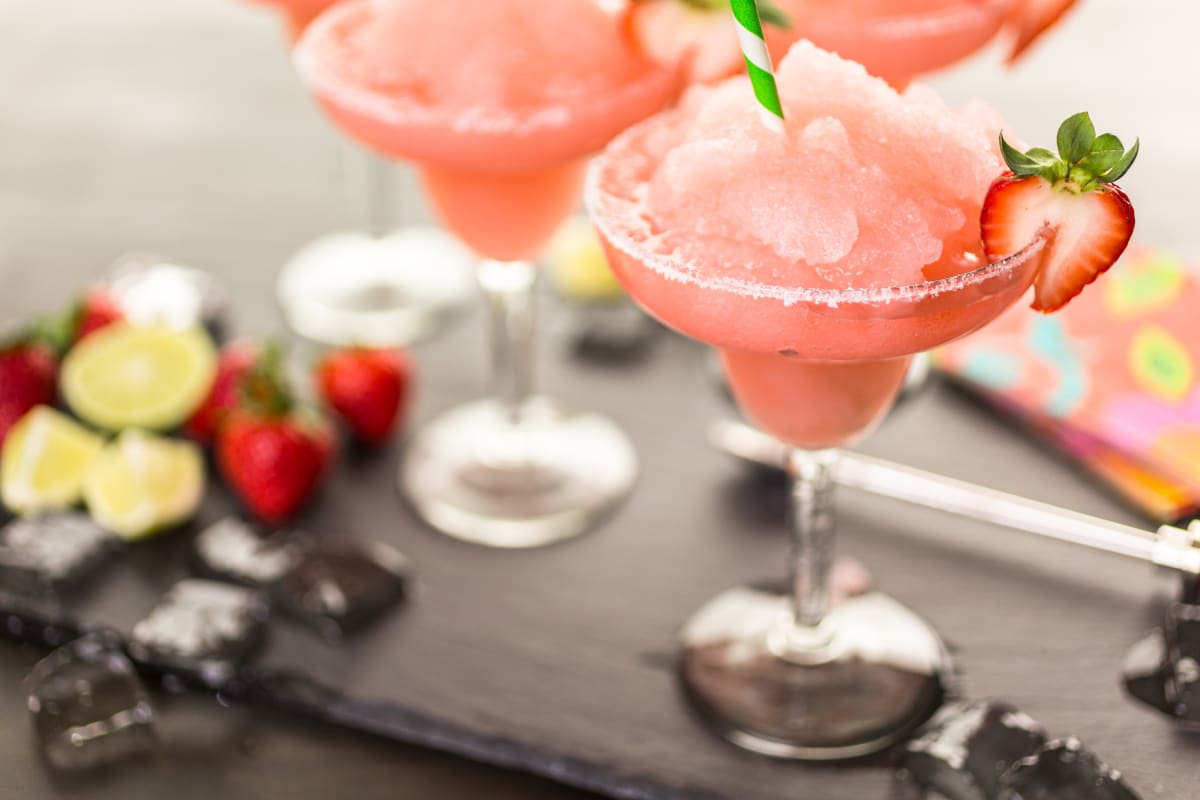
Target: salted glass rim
{"points": [[403, 111], [617, 219]]}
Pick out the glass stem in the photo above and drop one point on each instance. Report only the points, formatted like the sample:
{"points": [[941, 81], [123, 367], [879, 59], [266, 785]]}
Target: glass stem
{"points": [[813, 532], [381, 196], [508, 288]]}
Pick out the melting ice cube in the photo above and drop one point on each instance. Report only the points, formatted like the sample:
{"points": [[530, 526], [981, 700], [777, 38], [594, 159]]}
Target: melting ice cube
{"points": [[202, 630], [961, 753], [1182, 686], [1163, 669], [46, 553], [339, 586], [1063, 770], [89, 707], [235, 550]]}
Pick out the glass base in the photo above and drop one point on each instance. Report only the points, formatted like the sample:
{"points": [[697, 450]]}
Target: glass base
{"points": [[473, 476], [859, 682], [350, 288]]}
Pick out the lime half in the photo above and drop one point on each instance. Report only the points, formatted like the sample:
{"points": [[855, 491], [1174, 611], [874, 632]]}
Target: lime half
{"points": [[128, 376], [142, 483], [45, 458]]}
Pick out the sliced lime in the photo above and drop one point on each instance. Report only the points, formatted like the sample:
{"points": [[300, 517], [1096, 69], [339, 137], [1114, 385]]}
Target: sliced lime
{"points": [[45, 458], [142, 483], [128, 376]]}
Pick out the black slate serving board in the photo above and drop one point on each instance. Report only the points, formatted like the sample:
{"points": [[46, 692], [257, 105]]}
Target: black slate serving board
{"points": [[559, 661]]}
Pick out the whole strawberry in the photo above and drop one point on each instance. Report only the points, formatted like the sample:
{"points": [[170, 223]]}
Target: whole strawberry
{"points": [[368, 389], [97, 309], [272, 454], [28, 377], [1070, 200], [236, 360]]}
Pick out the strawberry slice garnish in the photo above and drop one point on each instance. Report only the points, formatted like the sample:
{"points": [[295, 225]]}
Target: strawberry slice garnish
{"points": [[670, 31], [1072, 199], [1029, 19]]}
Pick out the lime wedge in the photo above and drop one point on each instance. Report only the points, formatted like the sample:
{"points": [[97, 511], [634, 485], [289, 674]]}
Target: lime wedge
{"points": [[127, 376], [142, 483], [44, 460], [578, 266]]}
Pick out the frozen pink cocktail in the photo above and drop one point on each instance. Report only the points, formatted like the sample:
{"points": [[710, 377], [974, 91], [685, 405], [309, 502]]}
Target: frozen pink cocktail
{"points": [[817, 261], [499, 103]]}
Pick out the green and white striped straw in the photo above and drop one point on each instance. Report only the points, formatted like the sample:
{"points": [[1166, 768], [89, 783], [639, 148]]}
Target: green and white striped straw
{"points": [[758, 62]]}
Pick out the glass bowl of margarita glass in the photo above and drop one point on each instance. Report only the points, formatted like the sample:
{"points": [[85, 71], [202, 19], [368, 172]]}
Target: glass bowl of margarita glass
{"points": [[499, 104], [896, 40], [373, 284], [785, 255]]}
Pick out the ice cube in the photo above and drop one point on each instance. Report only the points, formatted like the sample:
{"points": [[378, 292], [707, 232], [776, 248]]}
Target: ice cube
{"points": [[233, 549], [1163, 669], [1146, 670], [1182, 685], [39, 555], [962, 752], [89, 707], [1063, 770], [340, 586], [202, 630]]}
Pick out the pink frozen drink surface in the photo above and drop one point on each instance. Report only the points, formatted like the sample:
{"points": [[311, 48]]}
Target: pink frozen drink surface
{"points": [[866, 188]]}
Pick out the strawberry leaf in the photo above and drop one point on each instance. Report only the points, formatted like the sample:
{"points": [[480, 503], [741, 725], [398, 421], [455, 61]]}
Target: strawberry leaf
{"points": [[264, 387], [1114, 173], [1038, 161], [57, 330], [1075, 137], [1106, 142]]}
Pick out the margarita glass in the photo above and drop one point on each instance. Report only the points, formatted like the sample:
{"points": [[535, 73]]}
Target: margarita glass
{"points": [[372, 286], [896, 40], [782, 672], [499, 103]]}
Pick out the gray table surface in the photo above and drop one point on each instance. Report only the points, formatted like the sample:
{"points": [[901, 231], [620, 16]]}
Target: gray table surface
{"points": [[179, 128]]}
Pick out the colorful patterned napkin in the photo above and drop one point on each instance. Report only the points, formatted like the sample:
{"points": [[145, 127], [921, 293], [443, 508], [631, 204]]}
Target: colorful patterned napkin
{"points": [[1112, 379]]}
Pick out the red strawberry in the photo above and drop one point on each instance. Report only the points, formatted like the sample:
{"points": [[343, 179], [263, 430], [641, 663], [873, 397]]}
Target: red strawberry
{"points": [[1072, 199], [367, 388], [700, 30], [1029, 19], [28, 376], [96, 310], [236, 359], [272, 455]]}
